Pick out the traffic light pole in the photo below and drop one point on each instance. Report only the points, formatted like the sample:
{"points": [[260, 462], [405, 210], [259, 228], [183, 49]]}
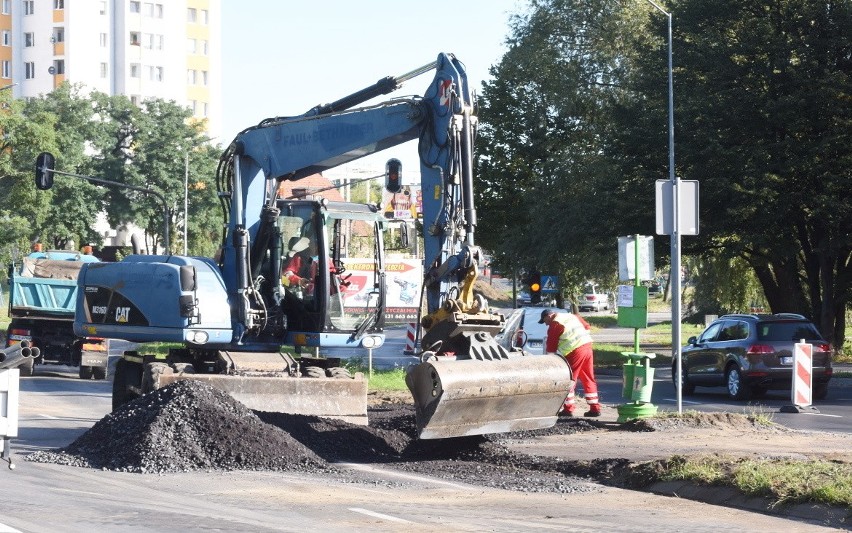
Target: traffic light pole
{"points": [[44, 180]]}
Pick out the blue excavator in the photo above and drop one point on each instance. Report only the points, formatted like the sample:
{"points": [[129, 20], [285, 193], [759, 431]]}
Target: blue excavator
{"points": [[232, 314]]}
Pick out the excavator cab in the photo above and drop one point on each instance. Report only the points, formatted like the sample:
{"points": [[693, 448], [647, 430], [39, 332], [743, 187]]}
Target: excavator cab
{"points": [[329, 279]]}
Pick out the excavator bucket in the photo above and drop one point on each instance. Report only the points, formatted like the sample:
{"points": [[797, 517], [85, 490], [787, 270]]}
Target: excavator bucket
{"points": [[459, 397], [343, 399]]}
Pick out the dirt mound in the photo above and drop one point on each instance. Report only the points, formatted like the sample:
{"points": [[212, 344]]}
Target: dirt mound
{"points": [[730, 421]]}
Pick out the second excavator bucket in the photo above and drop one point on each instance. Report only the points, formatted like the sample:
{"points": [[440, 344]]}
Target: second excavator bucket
{"points": [[460, 397]]}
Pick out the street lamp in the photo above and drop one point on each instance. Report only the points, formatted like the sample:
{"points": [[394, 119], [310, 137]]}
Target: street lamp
{"points": [[675, 238], [186, 204]]}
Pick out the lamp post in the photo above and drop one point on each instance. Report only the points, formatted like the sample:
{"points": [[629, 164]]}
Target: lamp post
{"points": [[186, 204], [675, 237]]}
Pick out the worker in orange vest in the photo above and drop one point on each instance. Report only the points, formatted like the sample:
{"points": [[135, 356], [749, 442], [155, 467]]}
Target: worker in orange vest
{"points": [[568, 335]]}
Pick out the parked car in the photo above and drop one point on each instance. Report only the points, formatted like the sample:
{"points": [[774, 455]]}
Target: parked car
{"points": [[750, 354], [592, 299], [526, 320]]}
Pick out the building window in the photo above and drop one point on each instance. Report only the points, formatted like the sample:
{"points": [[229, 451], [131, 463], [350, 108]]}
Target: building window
{"points": [[204, 109], [7, 38], [103, 8], [158, 11], [204, 78], [134, 38], [134, 7], [134, 70], [58, 35], [104, 70], [29, 39], [59, 66], [29, 70], [104, 40], [135, 99], [29, 7], [204, 16], [6, 67], [155, 73], [58, 4], [149, 9], [204, 48], [190, 77], [7, 7], [191, 14], [190, 46]]}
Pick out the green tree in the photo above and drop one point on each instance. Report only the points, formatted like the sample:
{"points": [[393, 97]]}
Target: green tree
{"points": [[574, 134], [73, 204], [22, 211], [541, 145], [764, 114], [205, 213], [146, 147]]}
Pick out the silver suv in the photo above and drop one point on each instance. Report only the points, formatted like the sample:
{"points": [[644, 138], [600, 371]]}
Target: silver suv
{"points": [[751, 354]]}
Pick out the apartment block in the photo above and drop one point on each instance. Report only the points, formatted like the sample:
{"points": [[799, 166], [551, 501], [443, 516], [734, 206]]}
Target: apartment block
{"points": [[169, 49]]}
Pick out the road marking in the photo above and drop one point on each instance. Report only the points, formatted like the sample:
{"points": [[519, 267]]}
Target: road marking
{"points": [[49, 417], [379, 515], [7, 529], [389, 473], [823, 414], [682, 401], [74, 491]]}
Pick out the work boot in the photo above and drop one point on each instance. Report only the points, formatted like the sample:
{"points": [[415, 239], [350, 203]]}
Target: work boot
{"points": [[565, 412], [592, 413]]}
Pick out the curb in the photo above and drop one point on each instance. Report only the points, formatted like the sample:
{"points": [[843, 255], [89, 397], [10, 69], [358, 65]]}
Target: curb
{"points": [[817, 514]]}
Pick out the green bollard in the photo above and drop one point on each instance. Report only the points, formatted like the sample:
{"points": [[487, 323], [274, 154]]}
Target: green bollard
{"points": [[629, 368], [637, 387]]}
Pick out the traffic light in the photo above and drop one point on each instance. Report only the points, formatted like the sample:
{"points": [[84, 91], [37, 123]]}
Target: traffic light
{"points": [[535, 287], [393, 176], [45, 163]]}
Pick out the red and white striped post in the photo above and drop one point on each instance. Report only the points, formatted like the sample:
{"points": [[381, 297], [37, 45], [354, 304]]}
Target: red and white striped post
{"points": [[802, 374], [410, 339]]}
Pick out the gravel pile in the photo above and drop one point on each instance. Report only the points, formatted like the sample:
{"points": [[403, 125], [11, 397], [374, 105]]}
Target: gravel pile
{"points": [[189, 425]]}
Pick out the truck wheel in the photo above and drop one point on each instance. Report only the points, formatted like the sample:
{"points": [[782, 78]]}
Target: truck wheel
{"points": [[99, 372], [85, 372], [127, 383]]}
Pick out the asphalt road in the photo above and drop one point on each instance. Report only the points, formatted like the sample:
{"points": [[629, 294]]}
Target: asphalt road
{"points": [[56, 408]]}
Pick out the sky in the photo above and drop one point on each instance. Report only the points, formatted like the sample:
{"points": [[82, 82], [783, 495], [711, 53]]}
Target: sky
{"points": [[281, 57]]}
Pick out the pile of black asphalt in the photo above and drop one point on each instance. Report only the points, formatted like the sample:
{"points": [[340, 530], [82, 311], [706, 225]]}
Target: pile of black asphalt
{"points": [[189, 425]]}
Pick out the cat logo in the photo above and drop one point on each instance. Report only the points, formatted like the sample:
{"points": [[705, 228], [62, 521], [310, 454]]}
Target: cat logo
{"points": [[122, 314]]}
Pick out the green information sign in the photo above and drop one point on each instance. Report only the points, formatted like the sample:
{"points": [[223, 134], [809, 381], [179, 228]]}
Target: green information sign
{"points": [[633, 306]]}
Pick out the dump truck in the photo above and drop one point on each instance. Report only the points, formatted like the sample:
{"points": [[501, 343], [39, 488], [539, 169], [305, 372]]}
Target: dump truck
{"points": [[42, 301]]}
